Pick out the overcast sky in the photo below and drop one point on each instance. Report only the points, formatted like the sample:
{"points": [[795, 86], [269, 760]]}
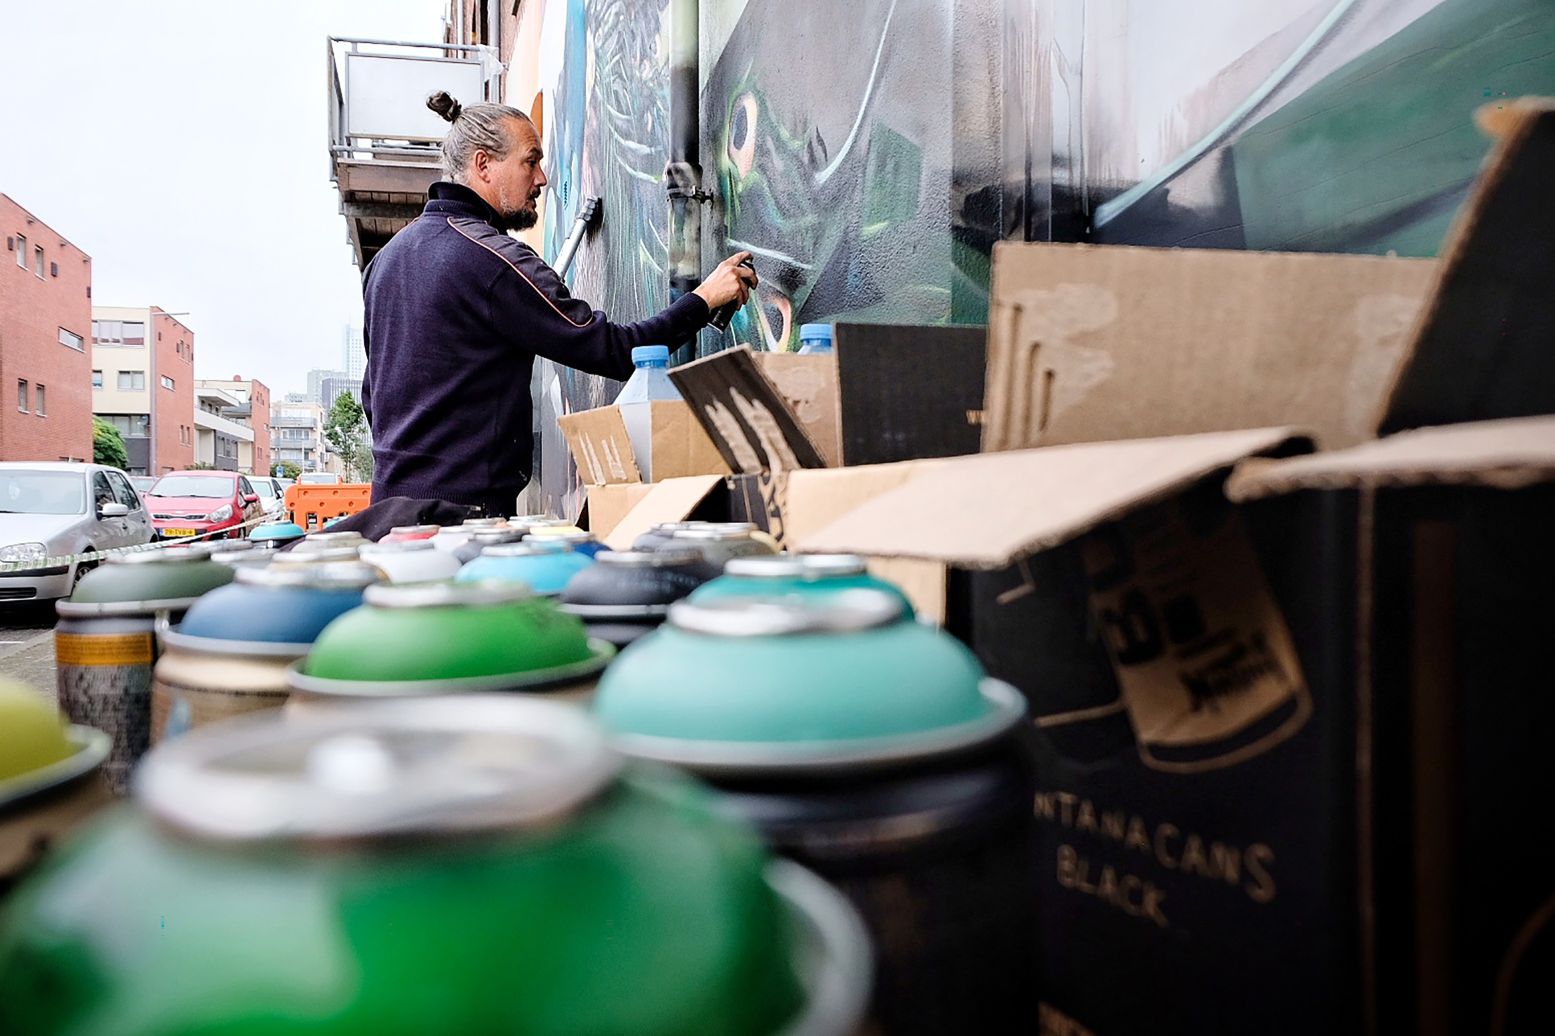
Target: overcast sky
{"points": [[183, 145]]}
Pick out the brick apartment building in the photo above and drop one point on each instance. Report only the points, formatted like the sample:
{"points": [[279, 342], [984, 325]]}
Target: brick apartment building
{"points": [[142, 378], [252, 409], [256, 394], [45, 316]]}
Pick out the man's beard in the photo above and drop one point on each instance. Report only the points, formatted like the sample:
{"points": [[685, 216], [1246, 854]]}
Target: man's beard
{"points": [[516, 219]]}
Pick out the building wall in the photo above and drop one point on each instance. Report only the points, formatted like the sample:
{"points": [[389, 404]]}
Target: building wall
{"points": [[33, 311], [301, 443], [259, 406], [112, 359], [172, 414], [872, 161]]}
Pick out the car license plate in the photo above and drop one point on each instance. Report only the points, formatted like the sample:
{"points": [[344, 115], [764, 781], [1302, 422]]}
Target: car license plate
{"points": [[177, 533]]}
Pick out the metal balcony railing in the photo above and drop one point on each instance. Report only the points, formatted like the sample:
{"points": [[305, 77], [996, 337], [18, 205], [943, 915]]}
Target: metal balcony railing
{"points": [[378, 91]]}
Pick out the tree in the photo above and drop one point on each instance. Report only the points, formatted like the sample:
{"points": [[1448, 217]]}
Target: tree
{"points": [[287, 469], [346, 432], [108, 445], [201, 465]]}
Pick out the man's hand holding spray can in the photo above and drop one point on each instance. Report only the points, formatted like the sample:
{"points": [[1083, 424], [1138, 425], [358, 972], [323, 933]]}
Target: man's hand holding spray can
{"points": [[728, 288]]}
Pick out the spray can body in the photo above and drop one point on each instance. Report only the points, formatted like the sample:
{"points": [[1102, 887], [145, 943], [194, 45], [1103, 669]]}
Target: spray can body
{"points": [[725, 313]]}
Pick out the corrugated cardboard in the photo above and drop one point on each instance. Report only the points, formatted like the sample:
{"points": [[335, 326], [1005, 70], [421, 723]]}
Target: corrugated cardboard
{"points": [[1007, 506], [1509, 454], [1483, 344], [672, 500], [607, 505], [605, 456], [1090, 343], [889, 393], [765, 411]]}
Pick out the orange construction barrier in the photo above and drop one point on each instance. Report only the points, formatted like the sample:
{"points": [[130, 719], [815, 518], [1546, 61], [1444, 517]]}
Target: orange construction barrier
{"points": [[311, 506]]}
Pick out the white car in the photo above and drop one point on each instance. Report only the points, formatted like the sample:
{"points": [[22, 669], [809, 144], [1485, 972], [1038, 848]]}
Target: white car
{"points": [[55, 509], [270, 493], [319, 478]]}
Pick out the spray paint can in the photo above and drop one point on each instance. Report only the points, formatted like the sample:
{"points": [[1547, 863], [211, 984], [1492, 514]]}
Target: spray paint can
{"points": [[105, 643], [725, 313], [230, 654]]}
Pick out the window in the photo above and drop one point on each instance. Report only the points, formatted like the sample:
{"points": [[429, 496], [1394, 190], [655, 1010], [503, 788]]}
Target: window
{"points": [[21, 251], [37, 260], [123, 491], [243, 486], [97, 379], [119, 332], [130, 381], [40, 410], [21, 394], [72, 339], [137, 426], [167, 382], [102, 492]]}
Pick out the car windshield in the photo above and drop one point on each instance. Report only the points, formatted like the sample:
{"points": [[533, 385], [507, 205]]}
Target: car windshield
{"points": [[42, 492], [319, 480], [264, 489], [213, 486]]}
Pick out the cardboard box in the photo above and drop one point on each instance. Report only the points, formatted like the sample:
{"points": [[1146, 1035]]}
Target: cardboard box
{"points": [[888, 393], [1253, 718], [605, 505], [606, 455], [1446, 694], [694, 497]]}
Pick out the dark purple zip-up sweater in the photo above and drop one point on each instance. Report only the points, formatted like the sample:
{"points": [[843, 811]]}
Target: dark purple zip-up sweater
{"points": [[456, 312]]}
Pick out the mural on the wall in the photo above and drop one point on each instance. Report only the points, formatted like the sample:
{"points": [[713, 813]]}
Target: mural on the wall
{"points": [[826, 142], [870, 161], [1296, 125], [607, 105]]}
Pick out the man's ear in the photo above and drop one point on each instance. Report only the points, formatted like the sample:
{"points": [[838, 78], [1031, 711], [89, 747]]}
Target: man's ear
{"points": [[480, 162]]}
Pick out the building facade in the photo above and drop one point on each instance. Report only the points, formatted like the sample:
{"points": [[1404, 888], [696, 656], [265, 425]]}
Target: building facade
{"points": [[254, 410], [222, 438], [353, 354], [45, 317], [142, 378], [297, 435]]}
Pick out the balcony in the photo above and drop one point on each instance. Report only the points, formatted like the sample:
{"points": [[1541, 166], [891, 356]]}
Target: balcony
{"points": [[206, 421], [383, 141]]}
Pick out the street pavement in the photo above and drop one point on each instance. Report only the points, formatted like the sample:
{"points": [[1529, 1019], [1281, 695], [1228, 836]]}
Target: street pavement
{"points": [[27, 645]]}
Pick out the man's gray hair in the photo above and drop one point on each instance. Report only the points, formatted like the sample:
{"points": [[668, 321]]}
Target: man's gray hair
{"points": [[480, 127]]}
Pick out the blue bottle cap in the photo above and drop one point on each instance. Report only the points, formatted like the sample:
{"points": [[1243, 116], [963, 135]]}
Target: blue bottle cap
{"points": [[651, 353], [815, 331]]}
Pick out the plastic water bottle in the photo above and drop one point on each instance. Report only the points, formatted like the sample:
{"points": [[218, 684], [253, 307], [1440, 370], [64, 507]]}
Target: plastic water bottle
{"points": [[649, 383], [814, 338]]}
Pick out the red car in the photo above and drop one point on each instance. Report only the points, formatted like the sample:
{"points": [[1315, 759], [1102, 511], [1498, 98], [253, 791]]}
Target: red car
{"points": [[191, 503]]}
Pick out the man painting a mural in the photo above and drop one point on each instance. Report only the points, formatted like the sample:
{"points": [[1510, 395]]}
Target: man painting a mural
{"points": [[457, 311]]}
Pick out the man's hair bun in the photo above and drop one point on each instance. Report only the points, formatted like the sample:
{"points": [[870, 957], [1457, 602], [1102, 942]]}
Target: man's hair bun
{"points": [[445, 105]]}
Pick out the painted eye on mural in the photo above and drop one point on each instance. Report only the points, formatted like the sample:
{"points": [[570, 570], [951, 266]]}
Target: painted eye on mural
{"points": [[742, 133]]}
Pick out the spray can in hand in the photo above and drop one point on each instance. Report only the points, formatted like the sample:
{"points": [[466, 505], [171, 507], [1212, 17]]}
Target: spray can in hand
{"points": [[725, 313]]}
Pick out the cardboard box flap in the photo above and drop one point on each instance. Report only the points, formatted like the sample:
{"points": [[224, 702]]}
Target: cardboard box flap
{"points": [[1485, 344], [1030, 500], [1510, 454], [680, 445], [668, 501], [1093, 343], [745, 413], [600, 446]]}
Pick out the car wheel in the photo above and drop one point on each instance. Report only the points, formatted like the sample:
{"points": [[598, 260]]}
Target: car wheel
{"points": [[82, 568]]}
